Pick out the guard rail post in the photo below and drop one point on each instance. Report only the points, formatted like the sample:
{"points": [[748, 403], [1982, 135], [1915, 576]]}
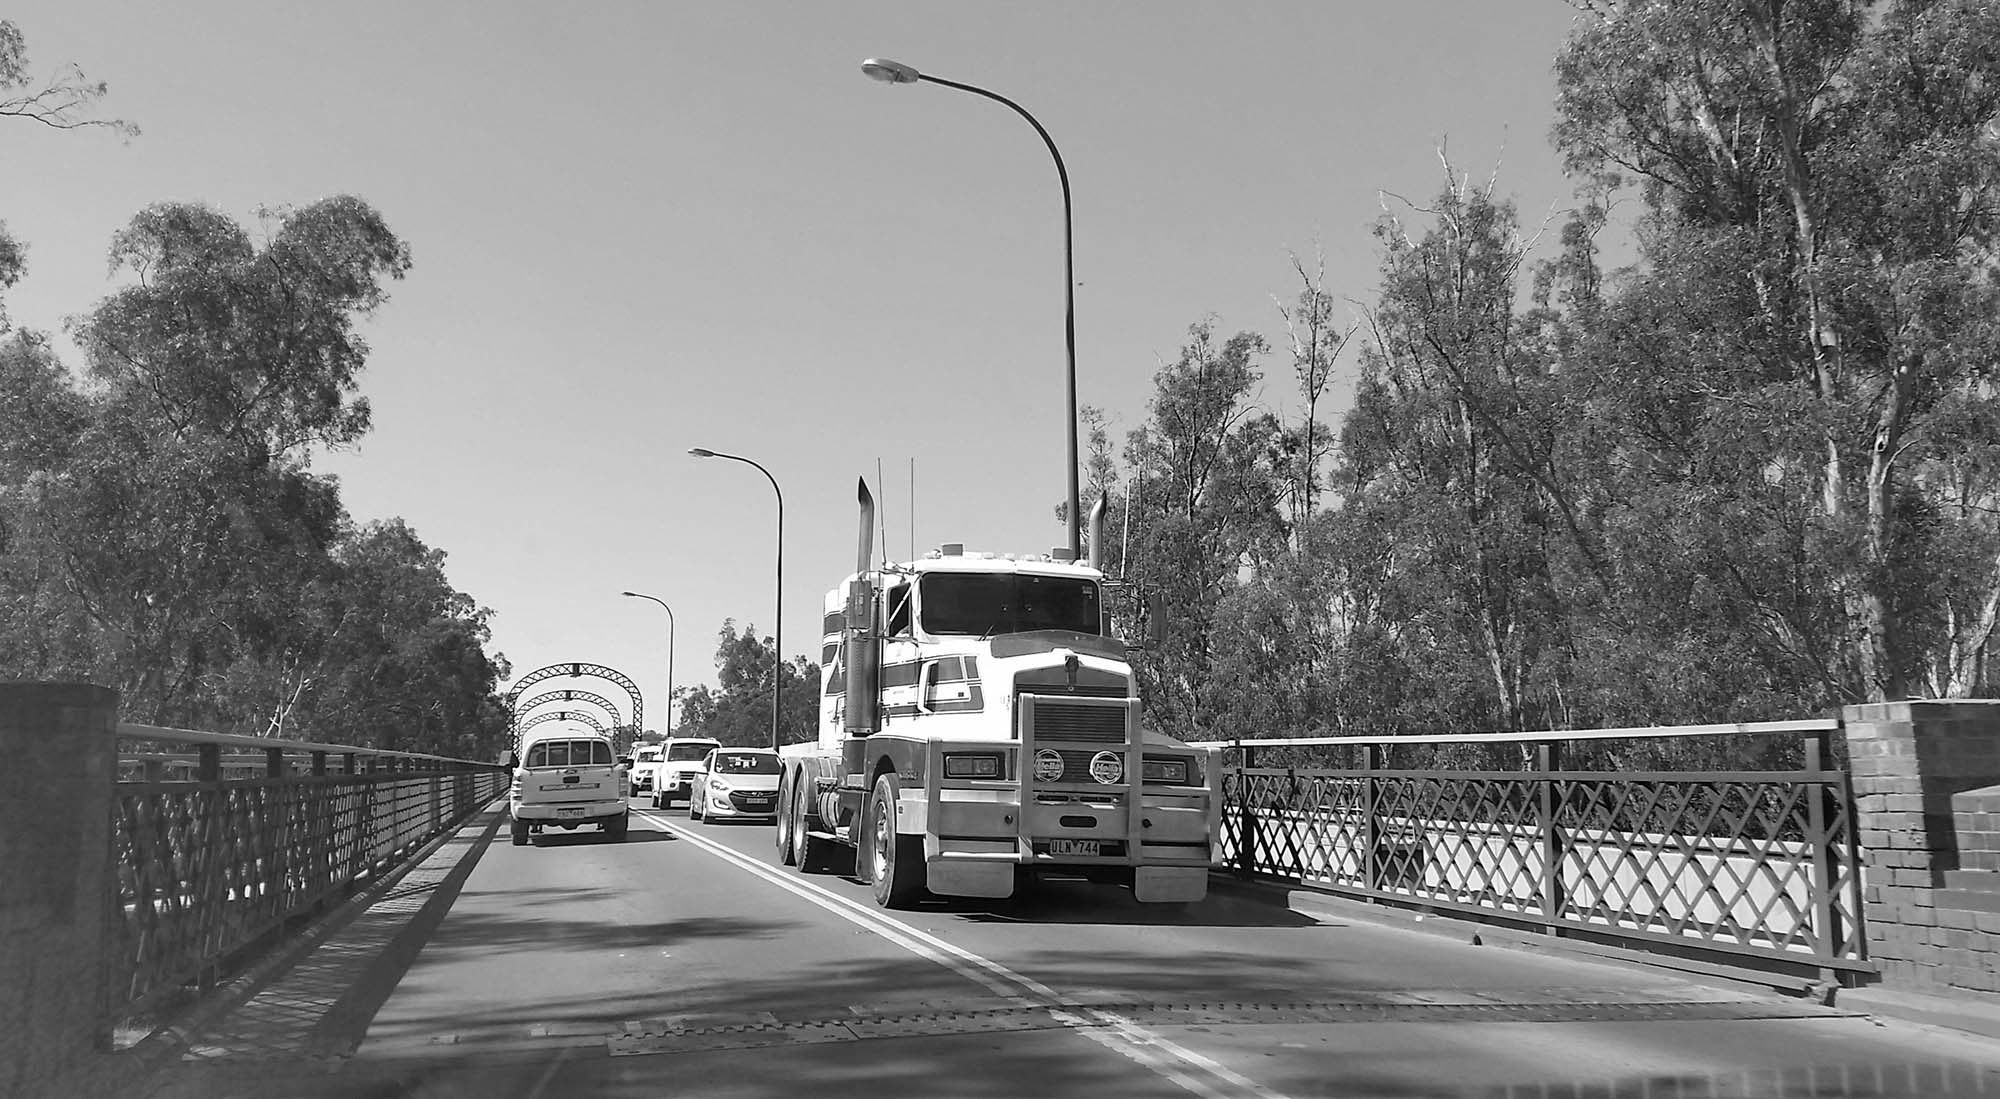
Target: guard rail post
{"points": [[1371, 830], [1246, 837], [1548, 759]]}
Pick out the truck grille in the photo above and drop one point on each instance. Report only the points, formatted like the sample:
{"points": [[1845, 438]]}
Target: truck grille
{"points": [[1082, 724]]}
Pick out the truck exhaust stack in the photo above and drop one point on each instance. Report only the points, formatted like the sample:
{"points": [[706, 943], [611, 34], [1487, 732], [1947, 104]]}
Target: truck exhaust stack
{"points": [[1097, 509], [859, 648]]}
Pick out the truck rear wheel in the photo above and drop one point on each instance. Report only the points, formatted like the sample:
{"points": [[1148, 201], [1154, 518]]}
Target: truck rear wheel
{"points": [[787, 856], [896, 862], [615, 827], [815, 855], [520, 832]]}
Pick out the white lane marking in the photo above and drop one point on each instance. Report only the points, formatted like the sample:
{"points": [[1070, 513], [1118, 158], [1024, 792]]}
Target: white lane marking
{"points": [[1108, 1029]]}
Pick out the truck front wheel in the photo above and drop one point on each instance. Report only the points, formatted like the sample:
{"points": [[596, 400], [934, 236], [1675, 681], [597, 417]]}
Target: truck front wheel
{"points": [[896, 862]]}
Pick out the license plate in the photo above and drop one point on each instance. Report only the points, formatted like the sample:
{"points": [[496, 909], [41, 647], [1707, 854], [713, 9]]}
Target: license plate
{"points": [[566, 814], [1084, 848]]}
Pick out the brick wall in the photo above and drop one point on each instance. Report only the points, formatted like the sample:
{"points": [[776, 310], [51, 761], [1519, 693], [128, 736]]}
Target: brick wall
{"points": [[1926, 778]]}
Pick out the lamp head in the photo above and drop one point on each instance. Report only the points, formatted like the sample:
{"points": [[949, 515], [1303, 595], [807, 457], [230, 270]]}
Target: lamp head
{"points": [[701, 453], [890, 72], [631, 593]]}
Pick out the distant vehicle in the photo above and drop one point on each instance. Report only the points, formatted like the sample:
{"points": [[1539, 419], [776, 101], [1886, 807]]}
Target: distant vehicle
{"points": [[680, 757], [564, 779], [736, 782], [645, 768]]}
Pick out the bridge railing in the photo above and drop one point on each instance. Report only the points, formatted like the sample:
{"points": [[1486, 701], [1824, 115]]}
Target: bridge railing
{"points": [[219, 840], [1745, 864]]}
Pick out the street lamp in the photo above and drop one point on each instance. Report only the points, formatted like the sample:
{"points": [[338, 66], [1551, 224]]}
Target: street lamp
{"points": [[670, 654], [895, 72], [778, 626]]}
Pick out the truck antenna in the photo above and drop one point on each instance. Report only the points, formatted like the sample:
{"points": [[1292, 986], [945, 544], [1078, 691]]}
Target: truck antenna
{"points": [[913, 509], [882, 517]]}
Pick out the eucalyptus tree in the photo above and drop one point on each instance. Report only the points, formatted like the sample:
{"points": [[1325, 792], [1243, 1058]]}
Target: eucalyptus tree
{"points": [[1822, 183], [185, 522], [737, 710], [1204, 510]]}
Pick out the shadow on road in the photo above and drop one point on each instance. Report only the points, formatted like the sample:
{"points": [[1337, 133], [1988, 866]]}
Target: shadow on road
{"points": [[582, 838], [1075, 902]]}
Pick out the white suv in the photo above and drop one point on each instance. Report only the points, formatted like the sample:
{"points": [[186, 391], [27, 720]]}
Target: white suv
{"points": [[645, 768], [679, 759]]}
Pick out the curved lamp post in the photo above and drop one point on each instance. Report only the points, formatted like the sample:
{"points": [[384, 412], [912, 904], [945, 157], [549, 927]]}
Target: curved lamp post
{"points": [[670, 654], [895, 72], [778, 626]]}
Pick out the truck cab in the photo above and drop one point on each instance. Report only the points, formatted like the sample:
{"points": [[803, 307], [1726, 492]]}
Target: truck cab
{"points": [[980, 728]]}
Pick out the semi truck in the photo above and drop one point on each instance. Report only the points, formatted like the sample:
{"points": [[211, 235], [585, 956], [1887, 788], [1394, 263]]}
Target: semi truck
{"points": [[980, 729]]}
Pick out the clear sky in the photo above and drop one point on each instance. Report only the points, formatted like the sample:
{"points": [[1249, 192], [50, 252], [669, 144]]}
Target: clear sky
{"points": [[641, 227]]}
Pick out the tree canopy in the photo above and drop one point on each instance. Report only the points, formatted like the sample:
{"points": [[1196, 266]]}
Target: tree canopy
{"points": [[161, 529], [1752, 475]]}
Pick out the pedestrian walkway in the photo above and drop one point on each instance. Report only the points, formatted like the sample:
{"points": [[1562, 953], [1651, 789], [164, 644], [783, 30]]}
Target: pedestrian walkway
{"points": [[315, 1011]]}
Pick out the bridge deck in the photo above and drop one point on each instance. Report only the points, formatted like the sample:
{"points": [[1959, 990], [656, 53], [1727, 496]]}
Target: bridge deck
{"points": [[684, 962]]}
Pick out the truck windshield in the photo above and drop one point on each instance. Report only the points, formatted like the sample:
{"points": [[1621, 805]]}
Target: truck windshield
{"points": [[995, 603]]}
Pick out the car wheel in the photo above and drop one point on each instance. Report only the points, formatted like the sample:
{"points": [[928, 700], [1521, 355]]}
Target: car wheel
{"points": [[694, 808], [616, 827], [520, 831], [896, 862]]}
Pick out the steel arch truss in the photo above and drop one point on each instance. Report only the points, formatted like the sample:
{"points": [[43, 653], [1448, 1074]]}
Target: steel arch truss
{"points": [[584, 716], [578, 669], [566, 695]]}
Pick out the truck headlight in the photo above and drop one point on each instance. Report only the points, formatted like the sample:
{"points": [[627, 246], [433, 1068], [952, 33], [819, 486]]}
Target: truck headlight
{"points": [[1171, 771], [967, 765]]}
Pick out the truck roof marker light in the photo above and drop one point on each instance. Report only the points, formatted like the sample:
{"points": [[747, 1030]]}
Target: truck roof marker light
{"points": [[951, 549], [1060, 554]]}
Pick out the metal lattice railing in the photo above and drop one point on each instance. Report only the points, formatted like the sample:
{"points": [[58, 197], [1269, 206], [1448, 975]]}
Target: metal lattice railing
{"points": [[211, 863], [1739, 862]]}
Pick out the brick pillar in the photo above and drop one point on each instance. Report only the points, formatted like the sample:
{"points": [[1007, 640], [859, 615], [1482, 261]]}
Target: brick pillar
{"points": [[1908, 760], [57, 766]]}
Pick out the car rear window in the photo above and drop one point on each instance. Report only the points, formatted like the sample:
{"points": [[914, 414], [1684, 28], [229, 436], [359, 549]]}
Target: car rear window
{"points": [[570, 753], [677, 753], [745, 763]]}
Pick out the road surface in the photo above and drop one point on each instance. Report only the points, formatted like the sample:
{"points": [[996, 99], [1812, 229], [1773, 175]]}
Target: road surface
{"points": [[685, 962]]}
